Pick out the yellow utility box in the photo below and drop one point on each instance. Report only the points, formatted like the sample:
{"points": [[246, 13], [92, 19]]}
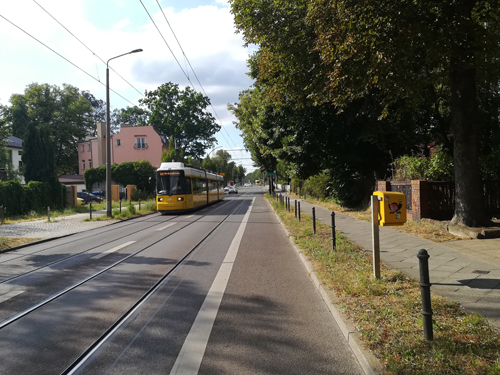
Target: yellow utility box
{"points": [[392, 208]]}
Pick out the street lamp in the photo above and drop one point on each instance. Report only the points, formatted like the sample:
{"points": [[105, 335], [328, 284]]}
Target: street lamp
{"points": [[108, 136]]}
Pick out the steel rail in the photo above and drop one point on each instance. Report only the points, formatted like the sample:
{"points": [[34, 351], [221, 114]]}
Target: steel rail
{"points": [[75, 366]]}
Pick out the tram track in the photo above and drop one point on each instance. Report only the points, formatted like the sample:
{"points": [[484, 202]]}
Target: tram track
{"points": [[82, 240], [75, 366], [139, 301]]}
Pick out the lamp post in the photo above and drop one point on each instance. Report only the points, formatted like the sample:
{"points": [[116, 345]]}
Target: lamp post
{"points": [[108, 136]]}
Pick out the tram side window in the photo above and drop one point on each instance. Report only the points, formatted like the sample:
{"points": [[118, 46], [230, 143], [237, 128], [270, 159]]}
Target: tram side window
{"points": [[187, 187], [198, 185]]}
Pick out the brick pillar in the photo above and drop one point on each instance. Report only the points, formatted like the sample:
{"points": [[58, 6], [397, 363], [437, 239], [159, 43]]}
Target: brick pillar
{"points": [[383, 185], [419, 199]]}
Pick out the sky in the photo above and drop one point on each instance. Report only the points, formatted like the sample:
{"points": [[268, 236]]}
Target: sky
{"points": [[70, 41]]}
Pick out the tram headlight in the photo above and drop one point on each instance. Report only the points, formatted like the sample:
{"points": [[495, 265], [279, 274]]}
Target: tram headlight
{"points": [[180, 199], [160, 199]]}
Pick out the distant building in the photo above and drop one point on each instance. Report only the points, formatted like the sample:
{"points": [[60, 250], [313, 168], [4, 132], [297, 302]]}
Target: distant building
{"points": [[132, 143], [15, 150]]}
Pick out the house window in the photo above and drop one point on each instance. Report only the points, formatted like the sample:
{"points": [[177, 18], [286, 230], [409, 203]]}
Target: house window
{"points": [[90, 146], [90, 163], [83, 164], [83, 148], [20, 163], [20, 153], [141, 143], [118, 143]]}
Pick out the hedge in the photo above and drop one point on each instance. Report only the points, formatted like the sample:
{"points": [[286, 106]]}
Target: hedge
{"points": [[19, 200]]}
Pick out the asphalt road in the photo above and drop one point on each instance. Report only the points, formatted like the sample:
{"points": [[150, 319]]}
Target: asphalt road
{"points": [[224, 292]]}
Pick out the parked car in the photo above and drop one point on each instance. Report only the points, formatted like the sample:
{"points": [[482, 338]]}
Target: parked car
{"points": [[99, 193], [88, 197], [231, 189]]}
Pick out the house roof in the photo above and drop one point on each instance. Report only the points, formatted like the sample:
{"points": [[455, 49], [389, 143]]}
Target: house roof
{"points": [[15, 142], [71, 179]]}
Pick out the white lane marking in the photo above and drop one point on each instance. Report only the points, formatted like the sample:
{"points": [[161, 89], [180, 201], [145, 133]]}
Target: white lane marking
{"points": [[189, 217], [166, 226], [98, 256], [9, 295], [192, 352]]}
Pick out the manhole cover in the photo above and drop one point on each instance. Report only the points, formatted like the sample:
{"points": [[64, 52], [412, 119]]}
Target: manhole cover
{"points": [[481, 272]]}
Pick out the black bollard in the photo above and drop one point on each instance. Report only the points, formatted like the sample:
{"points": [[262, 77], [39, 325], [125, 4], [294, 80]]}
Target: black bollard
{"points": [[90, 210], [334, 239], [425, 291], [295, 208], [288, 204], [314, 220], [298, 211]]}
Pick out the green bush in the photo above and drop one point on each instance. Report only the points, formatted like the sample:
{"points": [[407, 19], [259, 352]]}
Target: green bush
{"points": [[141, 195], [131, 208], [318, 186], [36, 196], [13, 198]]}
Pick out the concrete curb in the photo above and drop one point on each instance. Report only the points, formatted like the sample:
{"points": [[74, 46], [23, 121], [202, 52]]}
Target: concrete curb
{"points": [[368, 362], [66, 235]]}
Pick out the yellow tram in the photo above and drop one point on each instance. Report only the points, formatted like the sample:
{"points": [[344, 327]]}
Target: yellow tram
{"points": [[181, 188]]}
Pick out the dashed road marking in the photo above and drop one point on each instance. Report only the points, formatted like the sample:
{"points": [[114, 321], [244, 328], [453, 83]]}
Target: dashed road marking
{"points": [[166, 226], [98, 256], [9, 295]]}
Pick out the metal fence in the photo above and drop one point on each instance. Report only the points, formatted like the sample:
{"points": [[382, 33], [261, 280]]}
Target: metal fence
{"points": [[441, 197], [405, 188]]}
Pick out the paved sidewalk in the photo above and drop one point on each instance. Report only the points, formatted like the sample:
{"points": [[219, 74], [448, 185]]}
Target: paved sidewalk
{"points": [[58, 227], [465, 271]]}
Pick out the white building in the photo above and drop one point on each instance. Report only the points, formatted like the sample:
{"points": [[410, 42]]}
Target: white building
{"points": [[15, 151]]}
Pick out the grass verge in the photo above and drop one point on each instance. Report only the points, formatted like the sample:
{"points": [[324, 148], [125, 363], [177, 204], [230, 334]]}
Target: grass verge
{"points": [[386, 311], [7, 242]]}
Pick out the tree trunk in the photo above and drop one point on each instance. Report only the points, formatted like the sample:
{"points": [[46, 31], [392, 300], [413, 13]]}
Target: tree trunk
{"points": [[469, 202]]}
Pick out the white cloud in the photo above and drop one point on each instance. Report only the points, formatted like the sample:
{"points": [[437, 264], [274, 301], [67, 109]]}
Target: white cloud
{"points": [[113, 27]]}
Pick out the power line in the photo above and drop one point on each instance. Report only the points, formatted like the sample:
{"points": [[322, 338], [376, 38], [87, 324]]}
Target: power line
{"points": [[74, 36], [58, 54], [180, 46], [186, 58]]}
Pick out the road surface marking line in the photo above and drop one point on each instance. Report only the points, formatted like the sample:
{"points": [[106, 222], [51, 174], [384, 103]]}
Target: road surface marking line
{"points": [[98, 256], [9, 295], [189, 217], [166, 226], [192, 352]]}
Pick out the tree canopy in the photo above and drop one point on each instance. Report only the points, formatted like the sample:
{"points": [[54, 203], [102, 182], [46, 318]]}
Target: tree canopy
{"points": [[435, 62], [64, 114], [182, 114]]}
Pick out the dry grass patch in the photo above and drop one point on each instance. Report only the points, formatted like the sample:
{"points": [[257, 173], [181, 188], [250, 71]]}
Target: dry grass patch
{"points": [[421, 229], [386, 311], [9, 242]]}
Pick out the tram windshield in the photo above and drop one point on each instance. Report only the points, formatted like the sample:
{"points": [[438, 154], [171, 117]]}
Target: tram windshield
{"points": [[171, 183]]}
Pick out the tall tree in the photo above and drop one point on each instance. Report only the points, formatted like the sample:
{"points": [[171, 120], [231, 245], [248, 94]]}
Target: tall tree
{"points": [[135, 116], [63, 112], [182, 114], [38, 156], [342, 51]]}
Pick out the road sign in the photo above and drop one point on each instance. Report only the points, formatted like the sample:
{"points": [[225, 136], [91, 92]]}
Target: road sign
{"points": [[271, 174]]}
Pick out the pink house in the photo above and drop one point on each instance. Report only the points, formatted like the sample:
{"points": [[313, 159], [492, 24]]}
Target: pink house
{"points": [[132, 143]]}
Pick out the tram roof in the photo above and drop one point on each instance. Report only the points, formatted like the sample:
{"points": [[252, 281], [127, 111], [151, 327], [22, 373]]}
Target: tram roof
{"points": [[189, 170]]}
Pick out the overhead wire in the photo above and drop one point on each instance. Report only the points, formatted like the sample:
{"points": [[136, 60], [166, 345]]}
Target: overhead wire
{"points": [[194, 72], [58, 54], [74, 36]]}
